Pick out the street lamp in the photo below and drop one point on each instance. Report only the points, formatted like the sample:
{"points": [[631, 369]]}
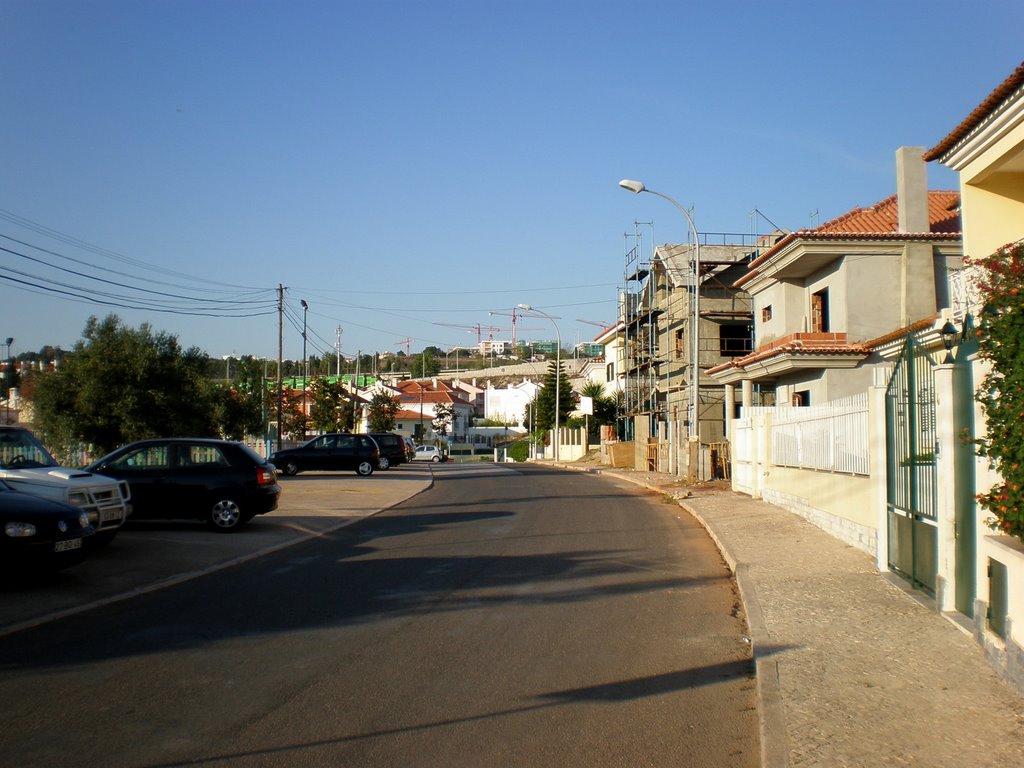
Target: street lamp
{"points": [[305, 366], [638, 187], [8, 380], [558, 368]]}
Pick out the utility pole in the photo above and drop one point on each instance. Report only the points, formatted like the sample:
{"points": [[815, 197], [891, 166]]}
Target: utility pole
{"points": [[280, 359], [355, 393], [337, 352]]}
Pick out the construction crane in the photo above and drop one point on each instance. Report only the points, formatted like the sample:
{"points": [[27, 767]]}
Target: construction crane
{"points": [[593, 322], [406, 343], [513, 315], [491, 330]]}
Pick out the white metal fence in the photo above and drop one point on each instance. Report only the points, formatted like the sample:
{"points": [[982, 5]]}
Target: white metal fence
{"points": [[833, 437]]}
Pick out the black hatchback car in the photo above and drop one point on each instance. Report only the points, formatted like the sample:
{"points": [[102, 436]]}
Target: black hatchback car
{"points": [[222, 482], [392, 449], [331, 452]]}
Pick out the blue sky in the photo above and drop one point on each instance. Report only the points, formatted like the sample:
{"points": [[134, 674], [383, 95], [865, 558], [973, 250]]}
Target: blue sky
{"points": [[406, 168]]}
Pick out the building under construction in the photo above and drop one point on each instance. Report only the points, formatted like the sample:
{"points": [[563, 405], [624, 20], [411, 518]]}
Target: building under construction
{"points": [[673, 321]]}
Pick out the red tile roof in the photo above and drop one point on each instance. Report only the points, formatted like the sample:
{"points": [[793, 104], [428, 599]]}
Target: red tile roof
{"points": [[978, 115], [879, 222], [808, 344], [883, 217]]}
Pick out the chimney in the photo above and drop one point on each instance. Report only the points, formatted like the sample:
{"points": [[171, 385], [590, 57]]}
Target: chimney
{"points": [[918, 298], [912, 190]]}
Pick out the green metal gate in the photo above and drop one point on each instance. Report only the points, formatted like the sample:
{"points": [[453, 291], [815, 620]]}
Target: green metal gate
{"points": [[911, 477]]}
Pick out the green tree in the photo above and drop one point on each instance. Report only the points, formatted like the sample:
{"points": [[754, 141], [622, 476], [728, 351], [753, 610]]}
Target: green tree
{"points": [[544, 403], [383, 411], [605, 408], [327, 410], [444, 414], [423, 366], [121, 384]]}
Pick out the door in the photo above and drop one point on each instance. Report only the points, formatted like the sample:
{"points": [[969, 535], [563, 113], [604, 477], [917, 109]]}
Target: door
{"points": [[911, 477], [147, 471]]}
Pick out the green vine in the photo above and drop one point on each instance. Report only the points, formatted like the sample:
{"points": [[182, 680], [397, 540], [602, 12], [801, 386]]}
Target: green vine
{"points": [[1001, 344]]}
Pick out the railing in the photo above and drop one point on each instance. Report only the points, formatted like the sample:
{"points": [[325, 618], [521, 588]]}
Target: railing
{"points": [[831, 437]]}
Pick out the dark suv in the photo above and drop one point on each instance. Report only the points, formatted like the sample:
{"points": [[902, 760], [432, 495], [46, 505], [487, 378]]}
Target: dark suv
{"points": [[333, 451], [392, 449]]}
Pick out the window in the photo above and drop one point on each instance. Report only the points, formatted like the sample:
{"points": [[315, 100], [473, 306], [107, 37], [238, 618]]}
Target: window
{"points": [[819, 311], [148, 457], [734, 339], [801, 399], [766, 313], [679, 344]]}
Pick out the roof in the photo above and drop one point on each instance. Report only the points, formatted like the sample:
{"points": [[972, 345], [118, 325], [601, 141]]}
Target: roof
{"points": [[978, 115], [879, 222]]}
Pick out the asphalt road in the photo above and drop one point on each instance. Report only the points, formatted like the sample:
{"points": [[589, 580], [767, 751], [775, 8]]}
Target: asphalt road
{"points": [[505, 617]]}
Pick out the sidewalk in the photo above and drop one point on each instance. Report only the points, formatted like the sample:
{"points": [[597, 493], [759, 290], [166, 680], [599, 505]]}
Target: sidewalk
{"points": [[852, 670]]}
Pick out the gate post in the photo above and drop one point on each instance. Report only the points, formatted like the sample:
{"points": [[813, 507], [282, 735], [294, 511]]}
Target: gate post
{"points": [[879, 446], [945, 492]]}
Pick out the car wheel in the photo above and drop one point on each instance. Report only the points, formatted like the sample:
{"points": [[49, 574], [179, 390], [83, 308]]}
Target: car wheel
{"points": [[384, 463], [436, 459], [364, 468], [290, 468], [226, 515]]}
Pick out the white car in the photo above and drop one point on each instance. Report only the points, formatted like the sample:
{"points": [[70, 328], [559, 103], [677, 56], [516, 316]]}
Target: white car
{"points": [[428, 453], [27, 466]]}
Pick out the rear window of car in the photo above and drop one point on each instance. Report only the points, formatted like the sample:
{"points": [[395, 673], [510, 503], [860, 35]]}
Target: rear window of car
{"points": [[200, 455]]}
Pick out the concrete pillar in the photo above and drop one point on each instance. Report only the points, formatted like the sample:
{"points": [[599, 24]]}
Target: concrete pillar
{"points": [[730, 409], [747, 400]]}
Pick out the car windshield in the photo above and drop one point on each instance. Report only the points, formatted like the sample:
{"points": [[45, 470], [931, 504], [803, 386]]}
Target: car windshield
{"points": [[19, 449]]}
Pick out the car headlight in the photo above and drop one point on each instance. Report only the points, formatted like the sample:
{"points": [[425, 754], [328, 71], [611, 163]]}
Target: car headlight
{"points": [[20, 530], [78, 498], [83, 520]]}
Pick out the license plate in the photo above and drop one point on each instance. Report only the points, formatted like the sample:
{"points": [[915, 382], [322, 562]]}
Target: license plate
{"points": [[106, 515], [65, 546]]}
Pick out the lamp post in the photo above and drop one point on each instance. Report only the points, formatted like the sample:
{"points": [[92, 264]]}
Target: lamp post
{"points": [[305, 366], [558, 368], [638, 187], [8, 379]]}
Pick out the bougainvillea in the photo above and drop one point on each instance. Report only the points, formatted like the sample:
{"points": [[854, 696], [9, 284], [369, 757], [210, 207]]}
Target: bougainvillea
{"points": [[1001, 392]]}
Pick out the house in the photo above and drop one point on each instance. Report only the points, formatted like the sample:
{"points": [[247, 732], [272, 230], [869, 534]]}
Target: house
{"points": [[982, 571], [821, 296], [667, 396], [510, 404], [422, 398]]}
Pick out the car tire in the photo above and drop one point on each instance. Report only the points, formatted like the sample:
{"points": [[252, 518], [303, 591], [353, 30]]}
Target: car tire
{"points": [[225, 516], [290, 468], [364, 468], [436, 459], [383, 463]]}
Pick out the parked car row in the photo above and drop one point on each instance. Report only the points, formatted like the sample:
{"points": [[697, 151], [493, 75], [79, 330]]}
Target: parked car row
{"points": [[53, 516], [340, 451]]}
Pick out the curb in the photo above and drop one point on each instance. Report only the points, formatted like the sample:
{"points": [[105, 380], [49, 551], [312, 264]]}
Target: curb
{"points": [[771, 713]]}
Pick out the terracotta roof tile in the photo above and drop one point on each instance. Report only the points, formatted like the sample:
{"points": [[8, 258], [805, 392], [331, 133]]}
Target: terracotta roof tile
{"points": [[808, 344], [978, 115], [879, 222]]}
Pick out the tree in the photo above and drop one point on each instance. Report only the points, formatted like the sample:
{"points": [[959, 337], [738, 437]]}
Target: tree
{"points": [[544, 403], [327, 412], [444, 413], [122, 384], [423, 366], [605, 408], [383, 410]]}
